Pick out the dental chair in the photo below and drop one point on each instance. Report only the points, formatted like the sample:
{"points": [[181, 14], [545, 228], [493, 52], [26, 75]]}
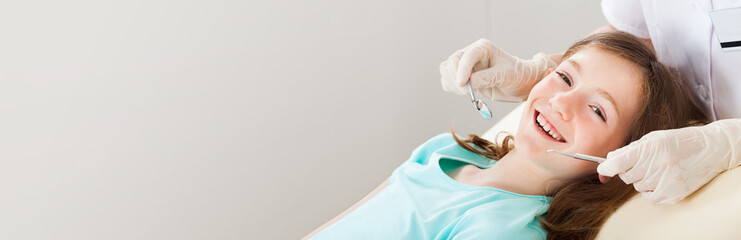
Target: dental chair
{"points": [[713, 212]]}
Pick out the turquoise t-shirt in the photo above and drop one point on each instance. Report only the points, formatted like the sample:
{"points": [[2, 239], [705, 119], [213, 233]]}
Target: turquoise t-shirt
{"points": [[422, 202]]}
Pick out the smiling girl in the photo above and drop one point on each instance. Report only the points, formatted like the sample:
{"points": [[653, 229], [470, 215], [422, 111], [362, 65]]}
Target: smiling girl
{"points": [[608, 91]]}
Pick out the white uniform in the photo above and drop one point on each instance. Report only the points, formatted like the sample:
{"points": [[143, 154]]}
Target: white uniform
{"points": [[684, 38]]}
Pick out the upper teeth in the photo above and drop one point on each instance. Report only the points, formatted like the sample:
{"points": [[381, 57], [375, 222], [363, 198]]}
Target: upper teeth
{"points": [[547, 127]]}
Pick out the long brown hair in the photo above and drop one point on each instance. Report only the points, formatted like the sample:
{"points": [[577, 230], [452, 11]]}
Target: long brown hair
{"points": [[581, 207]]}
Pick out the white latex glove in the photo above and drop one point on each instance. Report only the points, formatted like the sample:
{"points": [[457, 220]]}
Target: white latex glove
{"points": [[494, 73], [668, 165]]}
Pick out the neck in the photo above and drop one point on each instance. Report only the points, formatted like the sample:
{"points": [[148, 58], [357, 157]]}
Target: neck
{"points": [[516, 174]]}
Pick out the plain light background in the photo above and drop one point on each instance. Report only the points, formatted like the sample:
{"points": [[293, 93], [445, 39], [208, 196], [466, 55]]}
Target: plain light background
{"points": [[232, 119]]}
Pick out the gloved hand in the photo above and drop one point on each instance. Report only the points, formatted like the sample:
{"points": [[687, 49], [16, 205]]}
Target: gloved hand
{"points": [[668, 165], [494, 73]]}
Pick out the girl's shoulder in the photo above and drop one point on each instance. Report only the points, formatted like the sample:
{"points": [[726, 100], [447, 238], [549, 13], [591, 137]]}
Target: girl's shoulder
{"points": [[433, 144], [440, 140]]}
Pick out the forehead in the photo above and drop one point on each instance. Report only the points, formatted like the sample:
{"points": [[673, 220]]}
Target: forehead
{"points": [[600, 69]]}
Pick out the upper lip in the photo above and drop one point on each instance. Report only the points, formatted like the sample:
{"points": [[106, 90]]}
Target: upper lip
{"points": [[553, 124]]}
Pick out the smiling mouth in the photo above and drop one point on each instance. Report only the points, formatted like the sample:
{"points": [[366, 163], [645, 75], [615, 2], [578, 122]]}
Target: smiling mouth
{"points": [[547, 128]]}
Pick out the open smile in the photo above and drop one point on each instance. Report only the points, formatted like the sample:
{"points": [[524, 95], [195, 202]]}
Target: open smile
{"points": [[548, 130]]}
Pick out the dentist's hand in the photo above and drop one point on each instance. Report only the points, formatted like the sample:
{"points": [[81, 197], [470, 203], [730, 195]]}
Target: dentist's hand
{"points": [[493, 72], [666, 166]]}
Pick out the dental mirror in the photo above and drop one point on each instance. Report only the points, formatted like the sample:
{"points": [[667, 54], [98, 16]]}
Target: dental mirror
{"points": [[478, 104]]}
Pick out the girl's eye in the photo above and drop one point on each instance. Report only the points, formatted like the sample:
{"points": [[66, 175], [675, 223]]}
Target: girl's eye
{"points": [[565, 78], [599, 113]]}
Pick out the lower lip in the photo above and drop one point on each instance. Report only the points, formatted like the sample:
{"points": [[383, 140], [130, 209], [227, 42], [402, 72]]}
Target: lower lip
{"points": [[537, 128]]}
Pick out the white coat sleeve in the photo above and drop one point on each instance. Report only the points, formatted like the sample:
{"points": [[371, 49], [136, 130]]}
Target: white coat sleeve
{"points": [[627, 16]]}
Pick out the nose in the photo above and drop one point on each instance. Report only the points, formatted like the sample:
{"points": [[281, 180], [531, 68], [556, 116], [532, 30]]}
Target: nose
{"points": [[564, 104]]}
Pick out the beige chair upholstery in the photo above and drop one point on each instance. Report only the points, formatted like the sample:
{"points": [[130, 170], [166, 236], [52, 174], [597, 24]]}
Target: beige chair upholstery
{"points": [[713, 212]]}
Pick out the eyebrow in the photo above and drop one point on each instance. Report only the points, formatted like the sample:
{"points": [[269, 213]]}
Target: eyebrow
{"points": [[600, 91], [604, 93], [576, 64]]}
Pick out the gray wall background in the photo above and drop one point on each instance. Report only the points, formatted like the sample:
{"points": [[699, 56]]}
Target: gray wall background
{"points": [[232, 119]]}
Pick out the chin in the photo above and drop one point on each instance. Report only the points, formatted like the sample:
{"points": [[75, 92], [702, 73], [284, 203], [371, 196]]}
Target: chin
{"points": [[527, 145]]}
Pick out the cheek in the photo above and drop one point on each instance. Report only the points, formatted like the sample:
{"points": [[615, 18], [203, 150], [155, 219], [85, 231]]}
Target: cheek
{"points": [[596, 141], [542, 87]]}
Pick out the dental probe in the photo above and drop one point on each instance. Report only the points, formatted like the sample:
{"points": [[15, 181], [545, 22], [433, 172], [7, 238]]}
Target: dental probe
{"points": [[478, 104], [579, 156]]}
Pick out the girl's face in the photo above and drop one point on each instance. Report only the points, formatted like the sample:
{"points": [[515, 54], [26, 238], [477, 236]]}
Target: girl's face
{"points": [[586, 106]]}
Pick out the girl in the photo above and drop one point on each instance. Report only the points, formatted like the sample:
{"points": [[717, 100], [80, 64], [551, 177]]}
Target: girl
{"points": [[608, 91]]}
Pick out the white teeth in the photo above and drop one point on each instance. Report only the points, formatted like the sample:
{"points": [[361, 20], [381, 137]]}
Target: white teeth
{"points": [[554, 135], [542, 123], [547, 127]]}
